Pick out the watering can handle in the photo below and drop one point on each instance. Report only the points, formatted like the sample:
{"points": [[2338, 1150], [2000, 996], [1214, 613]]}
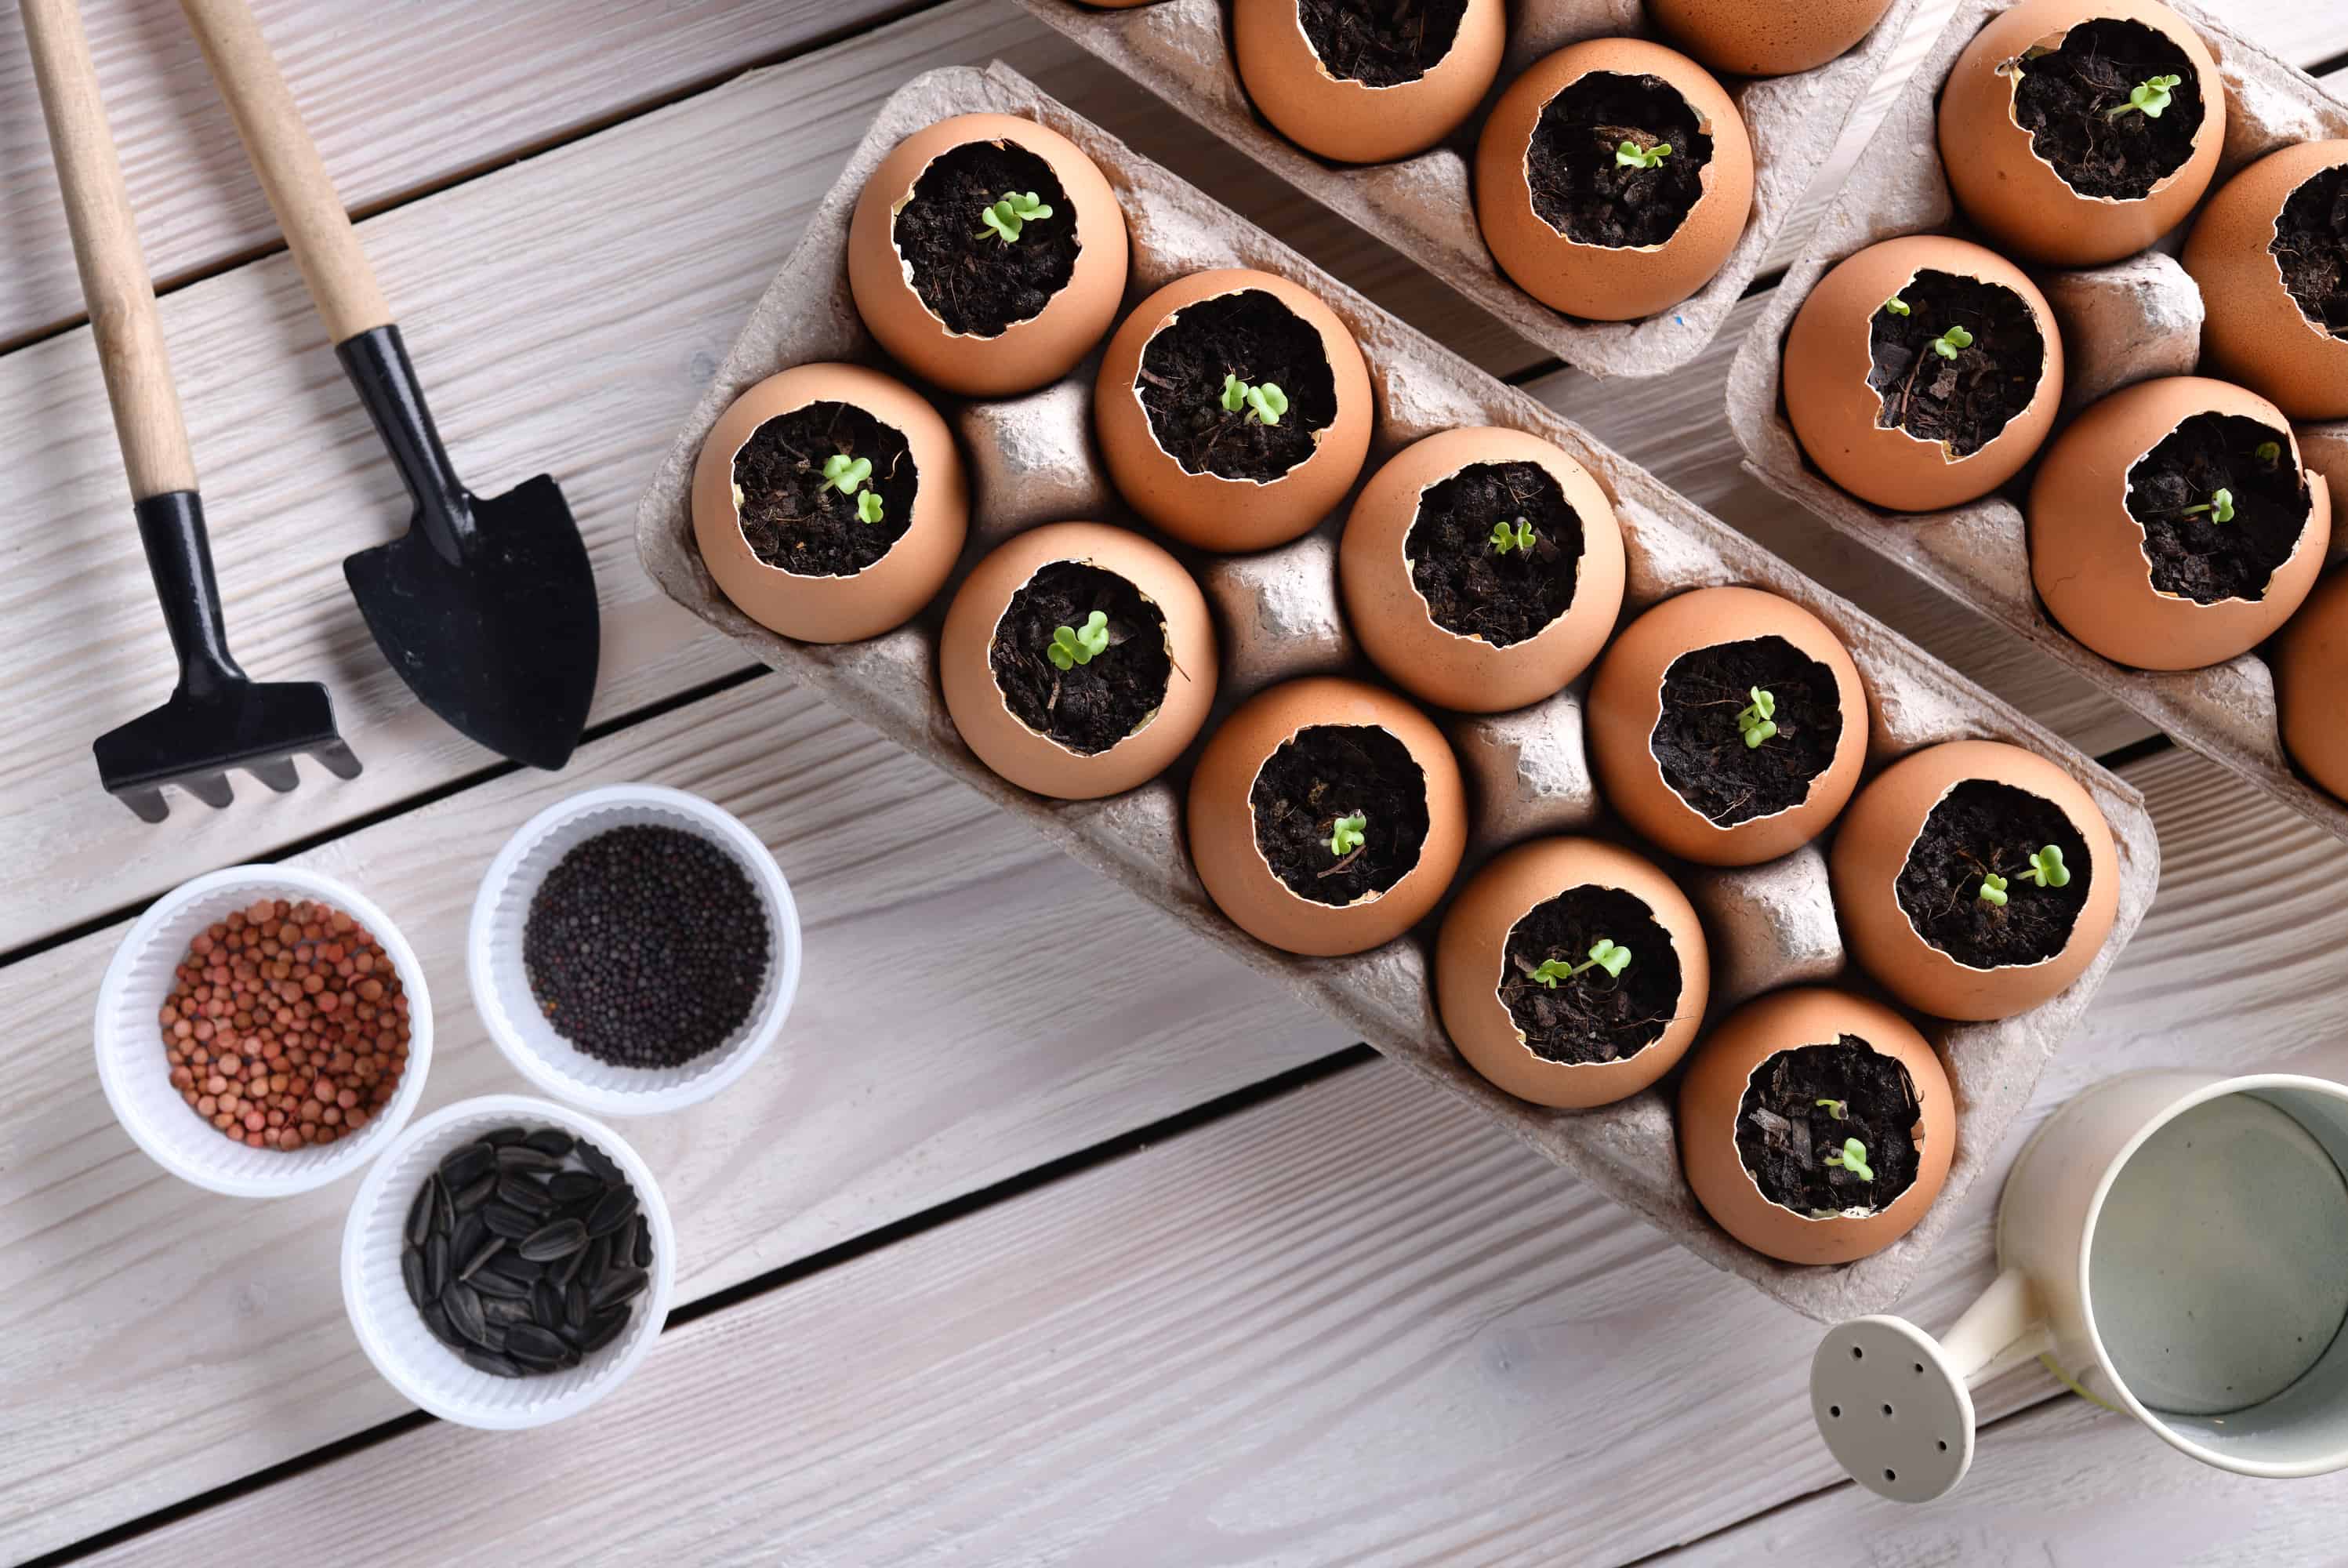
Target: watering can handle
{"points": [[324, 244], [114, 282]]}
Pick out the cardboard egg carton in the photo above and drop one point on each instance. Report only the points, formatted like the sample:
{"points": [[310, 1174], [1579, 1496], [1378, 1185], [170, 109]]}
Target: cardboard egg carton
{"points": [[2121, 323], [1032, 461], [1424, 206]]}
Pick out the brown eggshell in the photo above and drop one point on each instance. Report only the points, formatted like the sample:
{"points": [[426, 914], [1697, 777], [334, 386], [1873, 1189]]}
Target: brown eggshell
{"points": [[1223, 825], [885, 594], [2310, 670], [2086, 553], [1348, 120], [1712, 1092], [1872, 846], [2253, 330], [2014, 194], [1034, 761], [1604, 283], [1205, 508], [1392, 618], [1626, 702], [1765, 37], [1834, 410], [1028, 353], [1470, 963]]}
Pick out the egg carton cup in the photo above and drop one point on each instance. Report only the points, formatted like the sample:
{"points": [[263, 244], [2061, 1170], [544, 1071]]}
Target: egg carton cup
{"points": [[2122, 324], [1529, 771], [392, 1332], [137, 1077], [502, 992], [1424, 206]]}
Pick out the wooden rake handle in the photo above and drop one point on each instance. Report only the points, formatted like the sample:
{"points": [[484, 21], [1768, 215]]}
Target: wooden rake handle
{"points": [[324, 244], [114, 282]]}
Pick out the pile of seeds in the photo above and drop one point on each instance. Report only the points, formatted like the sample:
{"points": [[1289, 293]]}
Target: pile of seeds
{"points": [[526, 1252], [286, 1025], [646, 947]]}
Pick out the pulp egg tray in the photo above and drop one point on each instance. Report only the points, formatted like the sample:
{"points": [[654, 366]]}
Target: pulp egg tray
{"points": [[2135, 319], [1031, 460], [1425, 207]]}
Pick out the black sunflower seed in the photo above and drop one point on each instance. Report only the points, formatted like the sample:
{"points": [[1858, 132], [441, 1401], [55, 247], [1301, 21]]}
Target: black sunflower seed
{"points": [[600, 1257], [502, 1313], [617, 1286], [437, 1320], [558, 1240], [463, 1305], [479, 1193], [602, 1329], [435, 1264], [419, 1213], [444, 1207], [505, 1221], [574, 1307], [546, 1303], [495, 1365], [598, 1162], [571, 1266], [612, 1211], [500, 1137], [574, 1187], [411, 1274], [463, 1167], [522, 1192], [490, 1282], [522, 1157], [550, 1140], [488, 1249], [641, 1253], [468, 1236], [532, 1346], [513, 1265]]}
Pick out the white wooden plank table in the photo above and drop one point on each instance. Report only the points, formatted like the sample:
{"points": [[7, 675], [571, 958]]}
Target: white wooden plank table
{"points": [[991, 1262]]}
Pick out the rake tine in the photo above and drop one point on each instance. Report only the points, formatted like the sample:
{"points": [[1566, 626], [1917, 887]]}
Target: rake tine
{"points": [[147, 805], [337, 758], [211, 788], [277, 773]]}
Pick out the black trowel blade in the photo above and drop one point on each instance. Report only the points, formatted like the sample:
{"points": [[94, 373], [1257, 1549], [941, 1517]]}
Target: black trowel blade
{"points": [[503, 645]]}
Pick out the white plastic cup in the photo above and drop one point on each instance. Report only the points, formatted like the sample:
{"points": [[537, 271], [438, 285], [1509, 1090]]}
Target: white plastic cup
{"points": [[392, 1332], [137, 1077], [501, 989]]}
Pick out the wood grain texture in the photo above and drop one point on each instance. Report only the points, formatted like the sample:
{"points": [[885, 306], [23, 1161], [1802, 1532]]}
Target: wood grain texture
{"points": [[1346, 1326]]}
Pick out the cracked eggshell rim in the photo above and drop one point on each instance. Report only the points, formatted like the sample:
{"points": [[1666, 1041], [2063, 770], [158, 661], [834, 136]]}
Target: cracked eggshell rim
{"points": [[2254, 330], [1833, 411], [2087, 550], [1873, 844], [1391, 617], [2016, 196], [1028, 353], [1711, 1094], [1219, 821], [1034, 761], [1746, 39], [1206, 510], [885, 594], [1626, 703], [1609, 282], [1471, 958], [2310, 670], [1348, 120]]}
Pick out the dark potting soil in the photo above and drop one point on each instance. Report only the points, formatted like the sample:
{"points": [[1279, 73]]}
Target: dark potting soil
{"points": [[646, 947], [1980, 827], [1784, 1134], [1249, 334], [794, 518], [1087, 707], [1702, 751], [2067, 95], [1594, 1016], [1967, 400], [2195, 556], [1381, 43], [1578, 187], [1333, 771], [972, 279], [2310, 247], [1471, 588]]}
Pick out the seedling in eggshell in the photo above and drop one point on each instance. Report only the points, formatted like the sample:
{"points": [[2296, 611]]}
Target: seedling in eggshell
{"points": [[1993, 890], [1838, 1108], [868, 506], [1264, 404], [1758, 722], [2148, 97], [1631, 154], [1074, 645], [846, 474], [2047, 868], [1611, 957], [2219, 506], [1852, 1157], [1949, 342], [2267, 453], [1348, 833], [1506, 538], [1898, 306], [1011, 214]]}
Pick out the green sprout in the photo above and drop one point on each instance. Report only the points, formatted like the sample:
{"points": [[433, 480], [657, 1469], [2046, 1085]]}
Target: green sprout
{"points": [[2219, 506], [1235, 393], [1897, 305], [1505, 539], [1631, 154], [846, 474], [1756, 722], [1347, 833], [1264, 404], [1852, 1157], [1838, 1108], [1611, 957], [2267, 453], [2148, 97], [1993, 890], [1072, 646], [1005, 218], [1948, 342], [2047, 868], [868, 506]]}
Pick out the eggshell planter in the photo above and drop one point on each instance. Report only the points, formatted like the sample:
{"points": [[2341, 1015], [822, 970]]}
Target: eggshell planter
{"points": [[1423, 206], [1742, 38], [2123, 323], [1471, 969], [2312, 669], [1278, 610], [1397, 628], [1344, 118], [2257, 332], [2018, 197]]}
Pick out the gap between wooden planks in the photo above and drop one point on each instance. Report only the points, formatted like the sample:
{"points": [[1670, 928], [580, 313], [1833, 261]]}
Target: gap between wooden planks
{"points": [[1344, 1326]]}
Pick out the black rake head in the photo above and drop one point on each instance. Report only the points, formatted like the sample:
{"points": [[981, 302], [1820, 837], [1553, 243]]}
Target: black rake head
{"points": [[194, 740]]}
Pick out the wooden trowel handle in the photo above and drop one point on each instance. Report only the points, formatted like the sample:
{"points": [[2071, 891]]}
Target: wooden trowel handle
{"points": [[122, 315], [316, 227]]}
